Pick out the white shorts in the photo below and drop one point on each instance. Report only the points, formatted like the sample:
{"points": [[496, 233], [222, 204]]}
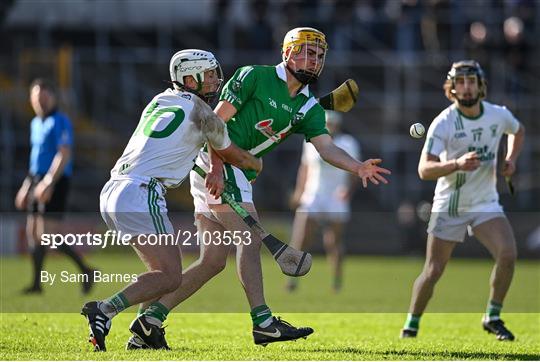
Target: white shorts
{"points": [[235, 180], [326, 208], [453, 228], [135, 205]]}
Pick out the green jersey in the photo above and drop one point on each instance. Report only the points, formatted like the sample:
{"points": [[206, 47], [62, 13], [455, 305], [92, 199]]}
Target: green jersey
{"points": [[266, 114]]}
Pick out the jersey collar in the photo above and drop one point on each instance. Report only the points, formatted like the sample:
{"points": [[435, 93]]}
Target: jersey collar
{"points": [[51, 112], [282, 74], [472, 118]]}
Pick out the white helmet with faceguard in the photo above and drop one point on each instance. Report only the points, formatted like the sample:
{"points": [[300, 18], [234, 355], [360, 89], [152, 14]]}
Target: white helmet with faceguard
{"points": [[195, 62], [297, 41]]}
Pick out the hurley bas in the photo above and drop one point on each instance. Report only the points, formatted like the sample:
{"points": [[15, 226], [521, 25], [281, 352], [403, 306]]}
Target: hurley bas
{"points": [[96, 276]]}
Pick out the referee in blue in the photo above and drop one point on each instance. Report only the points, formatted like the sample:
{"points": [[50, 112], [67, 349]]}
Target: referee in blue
{"points": [[44, 191]]}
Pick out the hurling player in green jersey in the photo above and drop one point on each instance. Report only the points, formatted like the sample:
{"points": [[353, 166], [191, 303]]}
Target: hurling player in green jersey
{"points": [[263, 105]]}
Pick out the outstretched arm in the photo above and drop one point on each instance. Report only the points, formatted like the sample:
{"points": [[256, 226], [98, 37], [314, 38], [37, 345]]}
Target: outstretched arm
{"points": [[367, 170]]}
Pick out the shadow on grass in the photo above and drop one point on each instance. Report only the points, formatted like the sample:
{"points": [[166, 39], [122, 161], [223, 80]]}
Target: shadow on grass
{"points": [[429, 355]]}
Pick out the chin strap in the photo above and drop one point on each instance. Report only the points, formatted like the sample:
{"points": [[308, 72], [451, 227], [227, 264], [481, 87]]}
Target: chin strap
{"points": [[209, 98], [303, 77]]}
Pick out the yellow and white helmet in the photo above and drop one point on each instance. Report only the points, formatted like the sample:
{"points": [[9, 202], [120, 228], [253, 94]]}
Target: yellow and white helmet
{"points": [[297, 41]]}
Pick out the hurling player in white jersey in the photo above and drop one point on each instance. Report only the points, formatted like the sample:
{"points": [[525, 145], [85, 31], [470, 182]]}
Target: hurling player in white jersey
{"points": [[159, 155], [323, 195], [461, 154]]}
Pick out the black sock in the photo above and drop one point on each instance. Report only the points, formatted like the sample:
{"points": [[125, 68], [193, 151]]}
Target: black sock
{"points": [[38, 255], [68, 250]]}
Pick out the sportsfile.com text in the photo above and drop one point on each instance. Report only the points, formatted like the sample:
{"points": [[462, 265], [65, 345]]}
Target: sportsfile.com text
{"points": [[118, 238]]}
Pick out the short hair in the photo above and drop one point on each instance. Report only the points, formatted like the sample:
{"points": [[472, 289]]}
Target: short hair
{"points": [[44, 83]]}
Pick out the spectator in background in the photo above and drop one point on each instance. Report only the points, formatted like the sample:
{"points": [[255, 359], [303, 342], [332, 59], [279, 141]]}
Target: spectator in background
{"points": [[223, 26], [436, 26], [343, 21], [525, 10], [44, 191], [260, 30], [477, 42], [408, 29], [516, 52]]}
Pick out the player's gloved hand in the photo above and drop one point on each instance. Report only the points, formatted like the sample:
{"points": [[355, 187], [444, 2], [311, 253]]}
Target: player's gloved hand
{"points": [[468, 162], [509, 167], [368, 170]]}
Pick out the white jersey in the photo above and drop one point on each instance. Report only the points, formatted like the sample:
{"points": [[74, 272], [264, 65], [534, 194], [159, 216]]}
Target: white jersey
{"points": [[324, 179], [171, 130], [450, 136]]}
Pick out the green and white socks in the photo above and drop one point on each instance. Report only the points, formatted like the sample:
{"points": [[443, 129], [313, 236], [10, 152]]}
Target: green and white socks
{"points": [[156, 313], [114, 305], [493, 311], [413, 322], [261, 316]]}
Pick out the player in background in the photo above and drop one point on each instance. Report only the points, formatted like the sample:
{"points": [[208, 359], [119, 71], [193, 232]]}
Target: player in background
{"points": [[159, 155], [43, 193], [461, 154], [322, 200], [263, 105]]}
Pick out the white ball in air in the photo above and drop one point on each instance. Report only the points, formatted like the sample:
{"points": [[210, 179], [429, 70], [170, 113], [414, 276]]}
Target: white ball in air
{"points": [[417, 130]]}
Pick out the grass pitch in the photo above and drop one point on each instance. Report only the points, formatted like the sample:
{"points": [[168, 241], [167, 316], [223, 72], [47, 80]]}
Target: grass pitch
{"points": [[360, 323]]}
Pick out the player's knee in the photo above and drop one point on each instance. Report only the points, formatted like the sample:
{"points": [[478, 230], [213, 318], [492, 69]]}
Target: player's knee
{"points": [[330, 243], [507, 257], [433, 272], [214, 264], [171, 282]]}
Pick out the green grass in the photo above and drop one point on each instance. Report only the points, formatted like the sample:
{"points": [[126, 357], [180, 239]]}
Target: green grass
{"points": [[360, 323], [227, 337]]}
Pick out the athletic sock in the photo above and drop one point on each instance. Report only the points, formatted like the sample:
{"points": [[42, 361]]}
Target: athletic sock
{"points": [[38, 255], [141, 310], [493, 311], [337, 283], [114, 305], [261, 316], [412, 322], [156, 313]]}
